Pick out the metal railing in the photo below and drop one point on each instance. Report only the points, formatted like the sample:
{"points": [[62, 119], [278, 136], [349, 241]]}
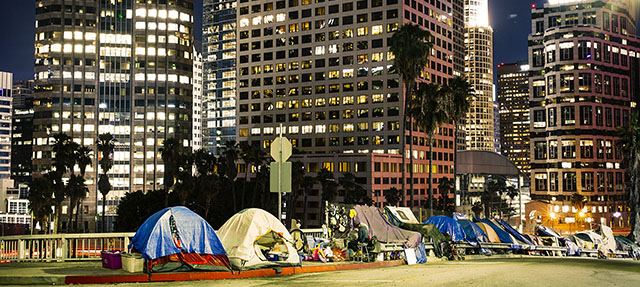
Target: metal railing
{"points": [[61, 247]]}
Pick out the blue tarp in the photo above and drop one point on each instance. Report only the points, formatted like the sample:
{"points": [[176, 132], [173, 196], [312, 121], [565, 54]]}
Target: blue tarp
{"points": [[502, 235], [154, 238], [472, 232], [547, 231], [447, 225], [514, 232]]}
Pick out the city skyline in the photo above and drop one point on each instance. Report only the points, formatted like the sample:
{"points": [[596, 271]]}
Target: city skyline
{"points": [[507, 17]]}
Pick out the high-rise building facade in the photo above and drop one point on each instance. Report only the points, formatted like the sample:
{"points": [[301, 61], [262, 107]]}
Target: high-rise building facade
{"points": [[219, 73], [121, 67], [478, 39], [22, 131], [324, 71], [196, 118], [6, 88], [584, 75], [513, 99]]}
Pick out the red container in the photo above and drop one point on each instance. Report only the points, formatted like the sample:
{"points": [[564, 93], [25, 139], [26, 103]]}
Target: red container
{"points": [[111, 259]]}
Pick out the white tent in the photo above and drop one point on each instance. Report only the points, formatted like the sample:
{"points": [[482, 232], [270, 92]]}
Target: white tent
{"points": [[246, 234], [608, 240]]}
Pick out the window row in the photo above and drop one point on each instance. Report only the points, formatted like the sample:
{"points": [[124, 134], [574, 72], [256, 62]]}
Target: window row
{"points": [[566, 148], [590, 181], [601, 116]]}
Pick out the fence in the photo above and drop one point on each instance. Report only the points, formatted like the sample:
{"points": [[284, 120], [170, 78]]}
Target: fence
{"points": [[61, 247]]}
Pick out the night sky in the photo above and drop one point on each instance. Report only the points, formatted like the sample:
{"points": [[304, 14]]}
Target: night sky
{"points": [[510, 20]]}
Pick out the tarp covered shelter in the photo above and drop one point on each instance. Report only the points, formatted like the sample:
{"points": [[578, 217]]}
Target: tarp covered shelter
{"points": [[492, 236], [514, 232], [502, 235], [176, 238], [382, 229], [608, 240], [472, 232], [547, 231], [251, 233], [447, 225]]}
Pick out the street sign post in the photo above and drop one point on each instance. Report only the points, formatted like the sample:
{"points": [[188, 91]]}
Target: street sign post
{"points": [[280, 174]]}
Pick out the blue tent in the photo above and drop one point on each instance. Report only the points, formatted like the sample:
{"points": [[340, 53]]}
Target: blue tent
{"points": [[447, 225], [547, 231], [178, 230], [472, 232], [514, 232], [503, 235]]}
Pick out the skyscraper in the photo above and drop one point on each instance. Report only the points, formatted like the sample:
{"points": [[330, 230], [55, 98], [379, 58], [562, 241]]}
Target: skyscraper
{"points": [[583, 82], [513, 100], [6, 87], [196, 125], [219, 73], [478, 38], [324, 71], [22, 131], [121, 67]]}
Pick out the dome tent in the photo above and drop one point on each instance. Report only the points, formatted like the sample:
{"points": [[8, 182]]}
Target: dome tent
{"points": [[447, 225], [250, 233], [177, 239]]}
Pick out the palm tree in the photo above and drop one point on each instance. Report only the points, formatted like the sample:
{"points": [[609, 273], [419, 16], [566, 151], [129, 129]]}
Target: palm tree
{"points": [[207, 182], [184, 180], [329, 185], [170, 153], [410, 46], [354, 192], [629, 144], [392, 196], [76, 188], [63, 162], [106, 145], [429, 110], [578, 201], [459, 93], [297, 176], [40, 200], [230, 153]]}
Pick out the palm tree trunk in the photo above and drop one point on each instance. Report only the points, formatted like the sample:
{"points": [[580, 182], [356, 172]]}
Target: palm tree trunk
{"points": [[56, 218], [455, 164], [403, 142], [233, 195], [72, 206], [244, 186], [634, 198], [304, 216], [104, 206], [430, 175], [411, 162]]}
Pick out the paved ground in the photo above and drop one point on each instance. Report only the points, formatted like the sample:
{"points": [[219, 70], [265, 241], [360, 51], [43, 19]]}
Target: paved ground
{"points": [[497, 272], [486, 272]]}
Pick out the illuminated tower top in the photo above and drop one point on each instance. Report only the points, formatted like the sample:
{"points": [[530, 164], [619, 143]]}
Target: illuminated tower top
{"points": [[476, 13]]}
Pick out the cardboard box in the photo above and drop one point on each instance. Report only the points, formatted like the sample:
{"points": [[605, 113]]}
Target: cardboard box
{"points": [[111, 259], [132, 262]]}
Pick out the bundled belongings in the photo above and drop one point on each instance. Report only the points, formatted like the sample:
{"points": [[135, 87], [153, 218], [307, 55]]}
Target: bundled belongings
{"points": [[447, 225], [254, 238], [177, 239]]}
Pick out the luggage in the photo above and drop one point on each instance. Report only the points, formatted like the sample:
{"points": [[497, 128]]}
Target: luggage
{"points": [[132, 262]]}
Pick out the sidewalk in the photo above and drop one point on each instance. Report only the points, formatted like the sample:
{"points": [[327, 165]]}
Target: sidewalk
{"points": [[55, 273]]}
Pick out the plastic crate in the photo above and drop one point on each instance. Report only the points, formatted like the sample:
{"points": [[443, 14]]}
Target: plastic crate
{"points": [[132, 262], [111, 259]]}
